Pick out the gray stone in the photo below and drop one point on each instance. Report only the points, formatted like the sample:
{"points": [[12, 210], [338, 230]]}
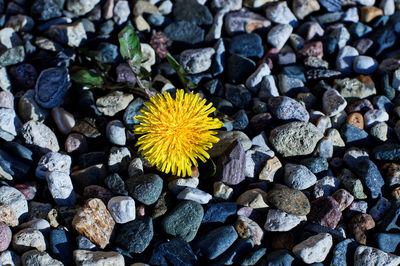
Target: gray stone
{"points": [[28, 109], [53, 161], [115, 132], [70, 34], [226, 138], [39, 137], [314, 249], [61, 188], [9, 124], [27, 239], [256, 158], [97, 258], [113, 102], [372, 256], [325, 186], [119, 159], [232, 164], [5, 82], [253, 83], [81, 7], [299, 177], [12, 56], [279, 34], [35, 257], [16, 200], [121, 12], [145, 188], [345, 58], [364, 65], [196, 60], [280, 221], [122, 209], [280, 13], [287, 109], [333, 103], [268, 88], [194, 194], [295, 138]]}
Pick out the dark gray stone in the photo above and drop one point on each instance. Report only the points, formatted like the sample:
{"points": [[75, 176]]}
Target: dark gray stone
{"points": [[145, 188], [232, 164], [191, 10], [184, 31], [135, 236], [247, 45]]}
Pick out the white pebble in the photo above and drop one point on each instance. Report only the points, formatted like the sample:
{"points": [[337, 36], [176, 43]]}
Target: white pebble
{"points": [[375, 116], [280, 221], [314, 249], [61, 188], [194, 194], [122, 209]]}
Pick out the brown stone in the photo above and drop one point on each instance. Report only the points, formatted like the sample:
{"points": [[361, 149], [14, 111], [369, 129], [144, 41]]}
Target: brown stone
{"points": [[396, 193], [312, 49], [247, 228], [367, 81], [160, 208], [270, 169], [284, 240], [356, 120], [391, 172], [254, 198], [368, 13], [289, 200], [359, 226], [95, 222], [7, 215]]}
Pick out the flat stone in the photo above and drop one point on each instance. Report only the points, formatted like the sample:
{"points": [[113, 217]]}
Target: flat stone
{"points": [[27, 239], [314, 249], [113, 102], [299, 177], [295, 138], [287, 109], [226, 138], [280, 221], [194, 194], [35, 257], [289, 200], [233, 164], [95, 222], [196, 60], [97, 258]]}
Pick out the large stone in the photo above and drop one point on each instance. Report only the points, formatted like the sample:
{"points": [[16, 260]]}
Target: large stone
{"points": [[314, 249], [16, 200], [135, 236], [73, 34], [226, 138], [372, 256], [35, 257], [39, 137], [281, 221], [289, 200], [113, 102], [295, 138], [81, 7], [98, 258]]}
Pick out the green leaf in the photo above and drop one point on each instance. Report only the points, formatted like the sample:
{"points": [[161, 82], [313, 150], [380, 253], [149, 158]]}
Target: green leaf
{"points": [[129, 46], [181, 72], [88, 78]]}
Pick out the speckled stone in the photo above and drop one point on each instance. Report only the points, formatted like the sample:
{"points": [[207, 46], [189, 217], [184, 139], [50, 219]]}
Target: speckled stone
{"points": [[289, 200], [325, 211], [95, 222], [359, 225]]}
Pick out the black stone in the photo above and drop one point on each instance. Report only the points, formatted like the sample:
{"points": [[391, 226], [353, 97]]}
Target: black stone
{"points": [[135, 236], [239, 68], [174, 252]]}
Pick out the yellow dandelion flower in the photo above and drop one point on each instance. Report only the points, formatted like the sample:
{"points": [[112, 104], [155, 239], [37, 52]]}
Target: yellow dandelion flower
{"points": [[176, 132]]}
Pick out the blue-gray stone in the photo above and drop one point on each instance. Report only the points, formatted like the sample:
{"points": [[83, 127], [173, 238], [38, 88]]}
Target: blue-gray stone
{"points": [[19, 151], [359, 29], [294, 72], [218, 64], [222, 105], [331, 5], [287, 109], [219, 212], [241, 120], [253, 257], [52, 86], [61, 245], [107, 27], [247, 45], [84, 243], [46, 9], [387, 152], [184, 220], [280, 257], [388, 242], [383, 38], [107, 53], [145, 188], [115, 184], [184, 31], [390, 221], [369, 174], [354, 136], [174, 252], [238, 95], [192, 11], [383, 103], [135, 236], [215, 242], [235, 253], [239, 68], [214, 87], [316, 165], [131, 111], [343, 253], [91, 158], [12, 167]]}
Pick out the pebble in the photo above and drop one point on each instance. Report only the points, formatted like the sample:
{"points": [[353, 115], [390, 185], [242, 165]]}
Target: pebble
{"points": [[325, 186], [16, 200], [247, 228], [368, 255], [122, 209], [76, 143], [387, 242], [39, 137], [247, 45], [239, 68], [299, 177], [364, 65], [375, 116], [51, 162], [345, 58], [192, 11], [215, 242], [118, 159], [5, 236], [9, 257], [61, 188], [281, 221], [325, 211], [184, 31], [95, 222], [184, 220], [115, 132], [7, 215], [314, 249], [113, 102], [61, 245], [343, 197], [135, 236], [222, 191], [36, 257], [9, 124], [278, 35], [226, 138], [333, 103], [254, 198], [175, 251], [27, 239], [289, 200], [194, 194], [80, 7], [303, 8], [343, 252], [359, 224], [145, 188], [82, 257], [280, 13], [287, 109], [289, 139], [256, 158]]}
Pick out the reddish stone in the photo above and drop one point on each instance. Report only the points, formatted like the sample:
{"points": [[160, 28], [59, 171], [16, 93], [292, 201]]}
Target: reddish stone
{"points": [[29, 190], [312, 49], [344, 198], [76, 143], [356, 120], [363, 105], [359, 226], [95, 191], [325, 211], [140, 210], [160, 42], [232, 164]]}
